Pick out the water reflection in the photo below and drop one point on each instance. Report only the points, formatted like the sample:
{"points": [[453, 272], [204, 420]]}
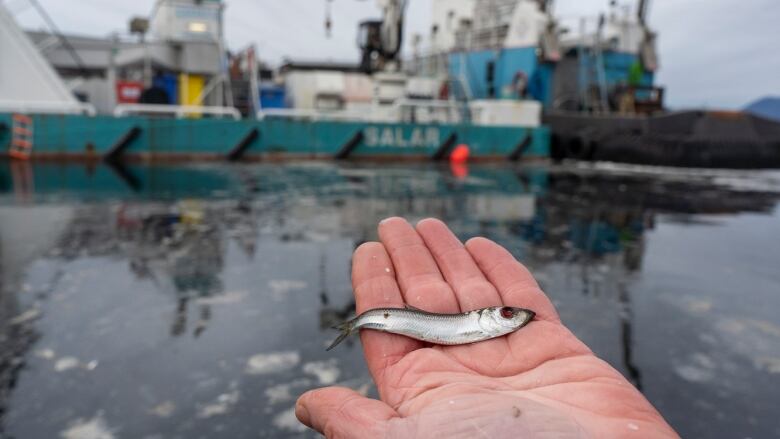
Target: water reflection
{"points": [[199, 269]]}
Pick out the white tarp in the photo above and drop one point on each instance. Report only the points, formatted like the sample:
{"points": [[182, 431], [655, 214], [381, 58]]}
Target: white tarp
{"points": [[28, 83]]}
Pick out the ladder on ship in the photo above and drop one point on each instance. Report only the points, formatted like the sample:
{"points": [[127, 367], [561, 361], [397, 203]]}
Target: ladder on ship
{"points": [[21, 137]]}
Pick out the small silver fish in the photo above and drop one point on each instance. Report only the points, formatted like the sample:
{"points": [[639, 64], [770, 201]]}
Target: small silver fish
{"points": [[443, 329]]}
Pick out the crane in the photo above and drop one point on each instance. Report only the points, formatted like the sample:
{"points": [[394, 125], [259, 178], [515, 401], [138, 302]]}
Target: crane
{"points": [[644, 6], [647, 49], [380, 41]]}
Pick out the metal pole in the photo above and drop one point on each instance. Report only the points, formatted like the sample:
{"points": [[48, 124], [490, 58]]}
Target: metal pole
{"points": [[254, 89], [111, 73], [147, 62], [212, 85], [224, 68]]}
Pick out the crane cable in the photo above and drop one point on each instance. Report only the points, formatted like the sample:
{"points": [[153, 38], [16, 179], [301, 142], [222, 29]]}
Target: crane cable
{"points": [[63, 40]]}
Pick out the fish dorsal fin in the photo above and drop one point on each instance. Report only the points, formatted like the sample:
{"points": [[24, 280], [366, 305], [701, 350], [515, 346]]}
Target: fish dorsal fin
{"points": [[412, 308]]}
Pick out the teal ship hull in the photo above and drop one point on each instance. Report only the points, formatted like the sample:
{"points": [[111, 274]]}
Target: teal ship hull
{"points": [[130, 138]]}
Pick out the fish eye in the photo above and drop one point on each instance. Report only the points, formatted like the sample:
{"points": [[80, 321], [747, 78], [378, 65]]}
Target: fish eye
{"points": [[507, 312]]}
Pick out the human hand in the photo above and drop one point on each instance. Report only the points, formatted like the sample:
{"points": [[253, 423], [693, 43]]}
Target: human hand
{"points": [[540, 381]]}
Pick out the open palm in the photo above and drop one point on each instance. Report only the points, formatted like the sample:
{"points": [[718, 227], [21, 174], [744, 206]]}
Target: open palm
{"points": [[538, 382]]}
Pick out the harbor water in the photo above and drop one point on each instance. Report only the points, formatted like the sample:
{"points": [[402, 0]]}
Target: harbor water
{"points": [[196, 301]]}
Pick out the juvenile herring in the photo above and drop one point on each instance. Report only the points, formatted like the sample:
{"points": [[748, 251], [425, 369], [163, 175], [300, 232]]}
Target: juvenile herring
{"points": [[443, 329]]}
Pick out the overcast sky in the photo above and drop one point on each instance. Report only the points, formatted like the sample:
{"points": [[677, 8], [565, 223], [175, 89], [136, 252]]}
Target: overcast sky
{"points": [[714, 53]]}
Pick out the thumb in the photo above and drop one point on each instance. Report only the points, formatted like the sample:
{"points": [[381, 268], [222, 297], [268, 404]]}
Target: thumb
{"points": [[338, 413]]}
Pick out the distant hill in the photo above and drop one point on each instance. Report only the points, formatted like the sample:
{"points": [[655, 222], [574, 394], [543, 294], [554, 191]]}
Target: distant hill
{"points": [[768, 107]]}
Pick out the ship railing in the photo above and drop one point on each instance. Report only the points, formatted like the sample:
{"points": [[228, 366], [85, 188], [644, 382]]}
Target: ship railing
{"points": [[425, 110], [403, 110], [431, 64], [178, 111], [312, 114], [46, 107]]}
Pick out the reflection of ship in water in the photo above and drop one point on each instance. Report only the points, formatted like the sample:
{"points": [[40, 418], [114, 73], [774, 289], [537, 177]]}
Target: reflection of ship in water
{"points": [[596, 218], [597, 224], [178, 246], [180, 251], [593, 226]]}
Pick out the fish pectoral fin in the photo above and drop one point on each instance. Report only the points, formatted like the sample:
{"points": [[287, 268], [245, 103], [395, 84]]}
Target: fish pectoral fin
{"points": [[412, 308]]}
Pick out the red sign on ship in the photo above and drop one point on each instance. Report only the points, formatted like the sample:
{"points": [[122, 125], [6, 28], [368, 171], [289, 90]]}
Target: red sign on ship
{"points": [[128, 92]]}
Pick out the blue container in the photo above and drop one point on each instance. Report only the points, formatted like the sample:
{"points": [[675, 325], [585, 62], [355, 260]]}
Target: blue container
{"points": [[170, 83], [272, 96]]}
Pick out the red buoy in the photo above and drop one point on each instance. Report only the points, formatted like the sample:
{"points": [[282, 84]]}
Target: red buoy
{"points": [[460, 154]]}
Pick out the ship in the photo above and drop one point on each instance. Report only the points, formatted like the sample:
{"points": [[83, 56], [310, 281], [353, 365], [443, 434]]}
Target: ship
{"points": [[175, 93], [596, 79]]}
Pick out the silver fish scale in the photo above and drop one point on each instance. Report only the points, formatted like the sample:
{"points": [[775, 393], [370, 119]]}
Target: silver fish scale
{"points": [[441, 329]]}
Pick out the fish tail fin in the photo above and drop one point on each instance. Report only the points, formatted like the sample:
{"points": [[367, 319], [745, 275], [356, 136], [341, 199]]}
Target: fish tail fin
{"points": [[346, 329]]}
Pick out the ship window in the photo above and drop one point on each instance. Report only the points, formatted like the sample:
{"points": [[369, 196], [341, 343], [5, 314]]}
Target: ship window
{"points": [[197, 27]]}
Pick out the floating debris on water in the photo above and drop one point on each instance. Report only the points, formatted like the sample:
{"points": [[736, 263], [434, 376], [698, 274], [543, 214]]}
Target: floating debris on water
{"points": [[699, 368], [164, 409], [27, 316], [283, 392], [229, 298], [66, 363], [287, 421], [46, 354], [221, 406], [281, 287], [326, 372], [699, 305], [95, 428], [769, 364], [767, 328], [273, 362]]}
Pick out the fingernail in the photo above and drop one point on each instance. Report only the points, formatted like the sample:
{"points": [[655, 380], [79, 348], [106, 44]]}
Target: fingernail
{"points": [[387, 220], [301, 412], [425, 220]]}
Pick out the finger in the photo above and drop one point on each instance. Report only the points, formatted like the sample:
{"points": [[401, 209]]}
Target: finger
{"points": [[472, 289], [373, 281], [421, 282], [338, 412], [514, 282]]}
